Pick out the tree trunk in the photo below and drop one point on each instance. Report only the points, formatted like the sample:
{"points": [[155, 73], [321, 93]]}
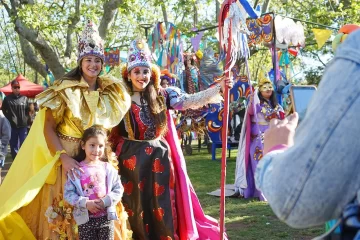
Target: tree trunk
{"points": [[265, 6], [39, 43], [110, 8], [74, 19], [164, 12], [195, 14], [30, 57], [46, 52]]}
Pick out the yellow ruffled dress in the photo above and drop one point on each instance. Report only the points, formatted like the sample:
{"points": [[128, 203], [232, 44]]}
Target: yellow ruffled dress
{"points": [[31, 196]]}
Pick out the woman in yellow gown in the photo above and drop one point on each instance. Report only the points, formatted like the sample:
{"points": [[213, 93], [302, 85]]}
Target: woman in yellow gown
{"points": [[31, 202]]}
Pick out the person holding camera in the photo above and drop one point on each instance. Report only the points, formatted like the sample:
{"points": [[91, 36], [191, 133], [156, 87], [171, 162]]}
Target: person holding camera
{"points": [[310, 176]]}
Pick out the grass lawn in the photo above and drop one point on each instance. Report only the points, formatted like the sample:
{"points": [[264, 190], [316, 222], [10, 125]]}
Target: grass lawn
{"points": [[244, 219]]}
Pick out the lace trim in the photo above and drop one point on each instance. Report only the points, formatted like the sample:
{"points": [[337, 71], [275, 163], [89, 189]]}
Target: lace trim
{"points": [[202, 98]]}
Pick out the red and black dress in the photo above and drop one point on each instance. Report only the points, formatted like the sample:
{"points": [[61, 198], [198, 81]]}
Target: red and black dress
{"points": [[146, 167]]}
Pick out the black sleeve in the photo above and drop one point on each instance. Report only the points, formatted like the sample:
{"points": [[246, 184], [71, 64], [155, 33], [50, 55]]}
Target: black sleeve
{"points": [[5, 108]]}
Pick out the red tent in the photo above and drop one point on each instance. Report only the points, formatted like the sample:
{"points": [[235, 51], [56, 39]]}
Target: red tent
{"points": [[27, 88]]}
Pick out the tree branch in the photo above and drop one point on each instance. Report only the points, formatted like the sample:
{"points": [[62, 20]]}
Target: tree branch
{"points": [[6, 7], [318, 57], [110, 8], [42, 46], [163, 9], [30, 57], [74, 19], [47, 54]]}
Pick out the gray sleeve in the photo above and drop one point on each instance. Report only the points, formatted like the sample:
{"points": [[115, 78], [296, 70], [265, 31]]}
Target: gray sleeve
{"points": [[312, 181], [117, 190], [5, 131]]}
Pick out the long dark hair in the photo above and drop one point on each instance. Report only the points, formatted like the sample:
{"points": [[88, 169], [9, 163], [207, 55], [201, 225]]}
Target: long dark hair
{"points": [[273, 99], [155, 101], [75, 74], [93, 132]]}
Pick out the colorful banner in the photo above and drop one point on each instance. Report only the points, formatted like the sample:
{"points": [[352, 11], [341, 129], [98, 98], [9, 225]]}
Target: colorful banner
{"points": [[321, 36], [112, 57], [261, 30]]}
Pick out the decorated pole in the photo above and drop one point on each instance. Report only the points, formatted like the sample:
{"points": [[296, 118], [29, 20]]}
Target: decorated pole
{"points": [[233, 34], [224, 11]]}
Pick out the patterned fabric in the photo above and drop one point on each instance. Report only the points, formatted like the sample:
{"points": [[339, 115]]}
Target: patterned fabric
{"points": [[148, 179], [261, 30], [90, 42], [264, 113], [147, 170], [142, 126], [139, 55], [191, 82], [97, 229]]}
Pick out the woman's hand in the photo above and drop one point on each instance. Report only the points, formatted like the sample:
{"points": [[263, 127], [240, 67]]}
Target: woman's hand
{"points": [[69, 165], [226, 81], [92, 206], [280, 132]]}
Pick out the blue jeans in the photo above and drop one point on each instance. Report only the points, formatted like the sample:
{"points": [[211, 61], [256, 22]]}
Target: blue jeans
{"points": [[18, 136]]}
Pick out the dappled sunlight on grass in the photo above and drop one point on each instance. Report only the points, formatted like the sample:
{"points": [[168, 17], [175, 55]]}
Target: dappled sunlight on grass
{"points": [[246, 219]]}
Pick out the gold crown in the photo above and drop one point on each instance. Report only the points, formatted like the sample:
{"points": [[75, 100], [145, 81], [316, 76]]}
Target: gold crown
{"points": [[263, 79]]}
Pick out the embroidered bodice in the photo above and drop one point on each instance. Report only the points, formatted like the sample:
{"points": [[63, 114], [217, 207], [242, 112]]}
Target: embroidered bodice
{"points": [[138, 123], [265, 112]]}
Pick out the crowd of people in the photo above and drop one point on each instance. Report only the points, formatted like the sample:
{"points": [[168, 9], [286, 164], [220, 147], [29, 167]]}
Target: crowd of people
{"points": [[156, 193], [102, 158]]}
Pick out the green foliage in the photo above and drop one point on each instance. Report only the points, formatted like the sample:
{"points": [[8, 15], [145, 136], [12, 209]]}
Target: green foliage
{"points": [[51, 19], [314, 75]]}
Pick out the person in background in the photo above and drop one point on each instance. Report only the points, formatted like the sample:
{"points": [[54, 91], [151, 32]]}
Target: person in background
{"points": [[16, 109], [164, 83], [308, 177], [5, 134], [158, 195], [32, 115], [36, 107], [263, 107]]}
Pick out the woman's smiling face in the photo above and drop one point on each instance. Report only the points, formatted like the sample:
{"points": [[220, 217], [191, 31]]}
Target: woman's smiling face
{"points": [[91, 67], [140, 78]]}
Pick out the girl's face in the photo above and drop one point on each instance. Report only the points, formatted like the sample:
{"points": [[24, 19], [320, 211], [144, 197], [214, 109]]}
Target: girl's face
{"points": [[266, 90], [164, 83], [140, 78], [94, 148], [91, 67]]}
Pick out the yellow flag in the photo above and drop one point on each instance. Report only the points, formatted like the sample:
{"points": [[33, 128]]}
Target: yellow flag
{"points": [[321, 36]]}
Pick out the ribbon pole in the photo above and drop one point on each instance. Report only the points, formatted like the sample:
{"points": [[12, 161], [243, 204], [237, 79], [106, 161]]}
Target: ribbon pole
{"points": [[224, 135]]}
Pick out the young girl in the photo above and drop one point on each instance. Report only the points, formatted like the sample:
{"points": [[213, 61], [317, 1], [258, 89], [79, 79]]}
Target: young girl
{"points": [[96, 192]]}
